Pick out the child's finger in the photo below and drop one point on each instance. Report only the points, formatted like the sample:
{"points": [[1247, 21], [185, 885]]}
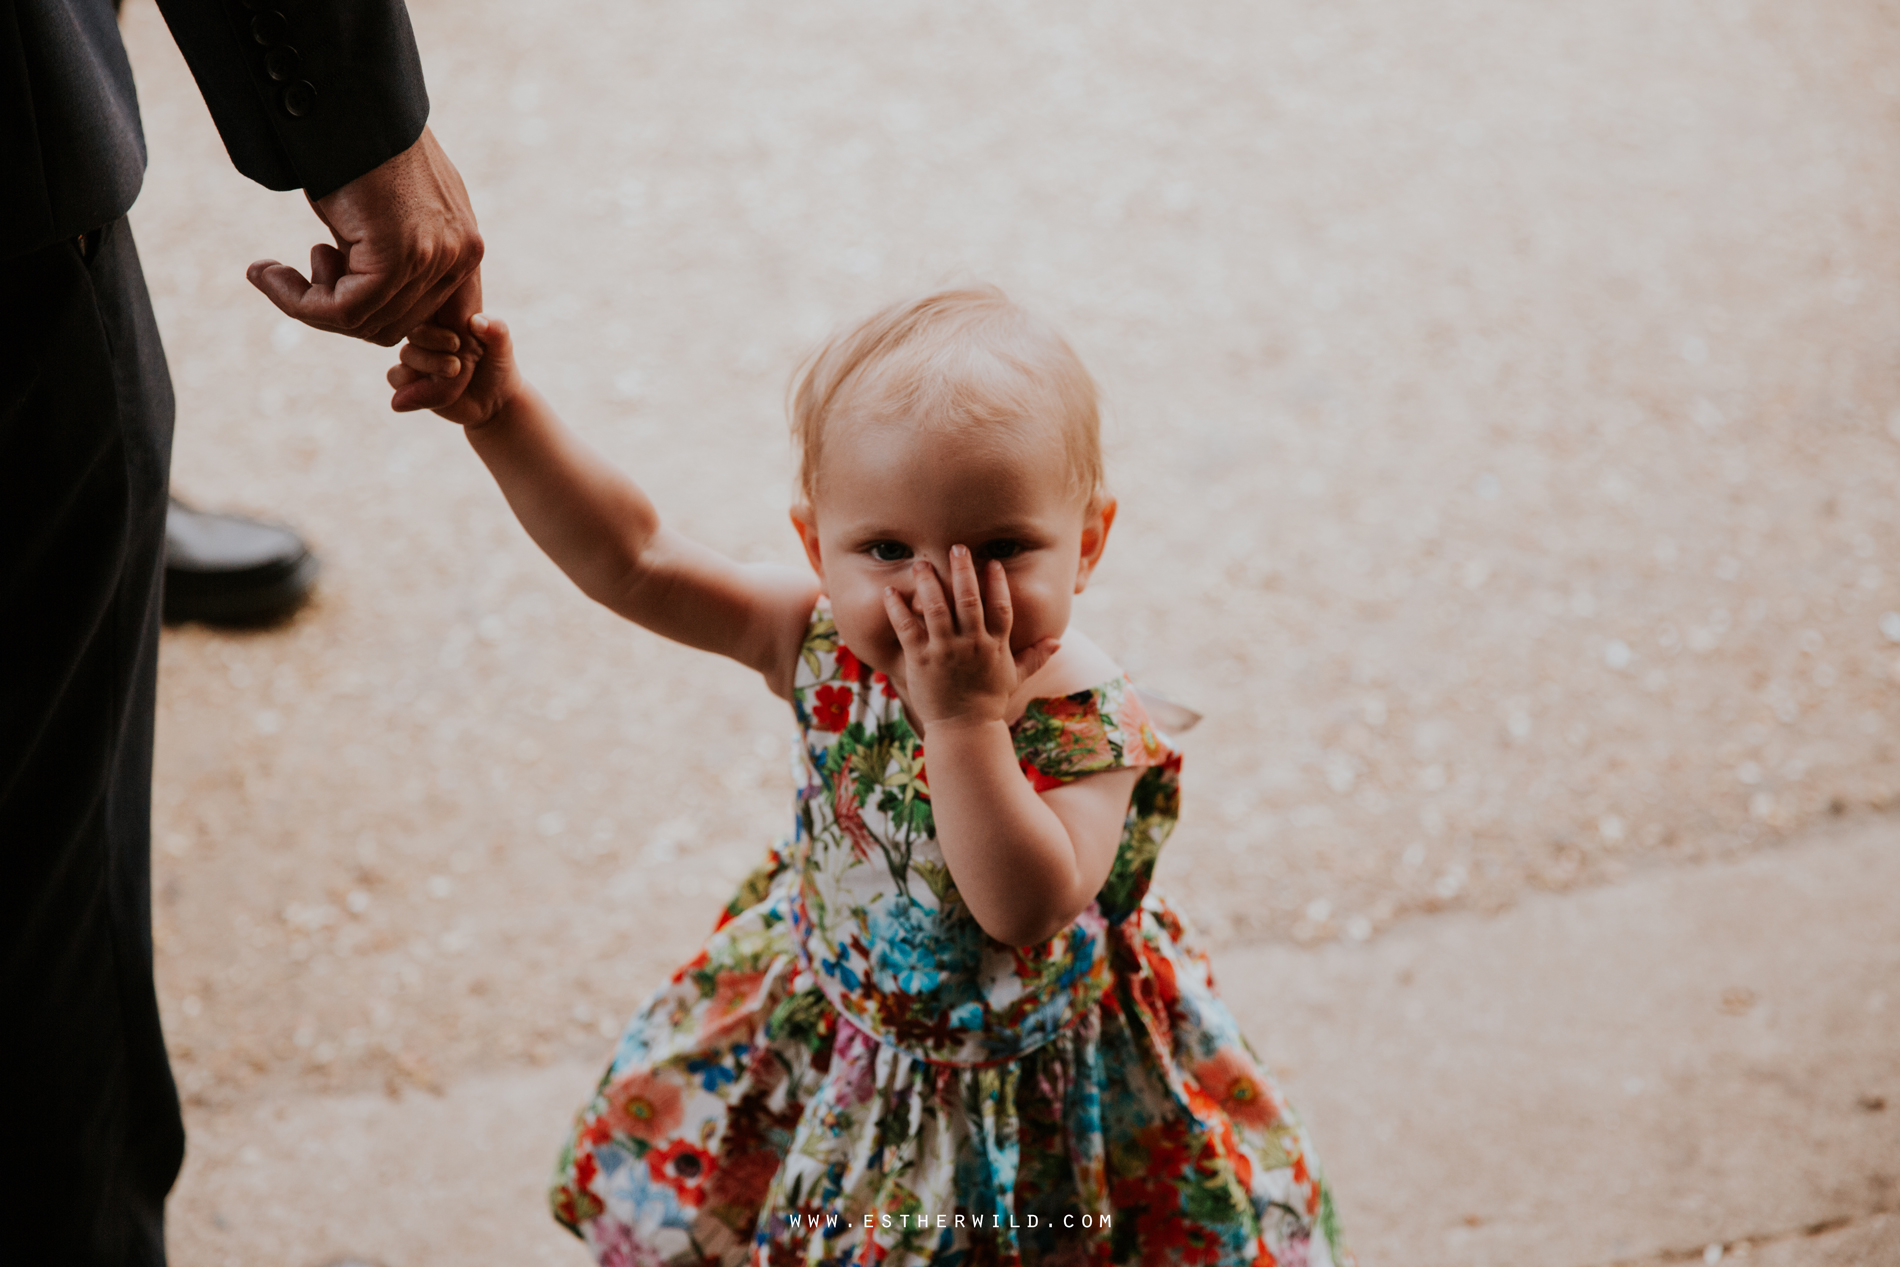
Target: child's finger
{"points": [[492, 334], [436, 339], [998, 615], [487, 363], [440, 364], [964, 587], [1030, 659], [910, 630], [400, 376], [930, 603]]}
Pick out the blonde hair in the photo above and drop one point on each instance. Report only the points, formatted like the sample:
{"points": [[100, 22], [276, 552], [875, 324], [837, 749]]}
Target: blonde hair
{"points": [[967, 358]]}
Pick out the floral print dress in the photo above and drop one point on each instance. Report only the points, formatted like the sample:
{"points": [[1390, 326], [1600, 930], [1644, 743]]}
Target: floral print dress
{"points": [[851, 1072]]}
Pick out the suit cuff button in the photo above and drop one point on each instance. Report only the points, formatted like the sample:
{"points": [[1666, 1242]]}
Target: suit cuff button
{"points": [[282, 63], [300, 98], [269, 27]]}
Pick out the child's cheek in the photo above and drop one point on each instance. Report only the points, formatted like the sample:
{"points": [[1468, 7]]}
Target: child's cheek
{"points": [[866, 629], [1040, 611]]}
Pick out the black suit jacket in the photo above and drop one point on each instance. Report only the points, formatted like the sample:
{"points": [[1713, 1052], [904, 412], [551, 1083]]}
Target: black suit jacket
{"points": [[308, 94]]}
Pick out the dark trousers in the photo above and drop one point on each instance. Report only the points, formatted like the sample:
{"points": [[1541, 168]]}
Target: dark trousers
{"points": [[90, 1133]]}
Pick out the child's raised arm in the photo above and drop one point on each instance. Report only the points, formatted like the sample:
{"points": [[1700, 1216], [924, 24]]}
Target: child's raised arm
{"points": [[597, 524]]}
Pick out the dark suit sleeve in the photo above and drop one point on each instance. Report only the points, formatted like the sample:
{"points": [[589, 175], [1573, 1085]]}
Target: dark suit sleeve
{"points": [[308, 94]]}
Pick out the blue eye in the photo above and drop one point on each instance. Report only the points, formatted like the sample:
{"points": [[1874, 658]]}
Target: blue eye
{"points": [[889, 551]]}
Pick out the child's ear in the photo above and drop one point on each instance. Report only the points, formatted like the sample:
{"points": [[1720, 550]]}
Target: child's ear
{"points": [[1097, 520], [806, 525]]}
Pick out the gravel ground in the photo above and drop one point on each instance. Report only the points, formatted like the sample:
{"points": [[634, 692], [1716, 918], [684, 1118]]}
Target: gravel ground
{"points": [[1504, 415], [1700, 1055]]}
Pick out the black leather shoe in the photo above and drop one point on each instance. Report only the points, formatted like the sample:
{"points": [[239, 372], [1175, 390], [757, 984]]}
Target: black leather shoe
{"points": [[230, 571]]}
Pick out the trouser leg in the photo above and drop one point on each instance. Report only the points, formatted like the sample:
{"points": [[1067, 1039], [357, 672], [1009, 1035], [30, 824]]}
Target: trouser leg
{"points": [[90, 1133]]}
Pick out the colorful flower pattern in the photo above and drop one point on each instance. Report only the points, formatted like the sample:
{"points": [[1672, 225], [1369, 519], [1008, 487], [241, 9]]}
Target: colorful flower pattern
{"points": [[852, 1073]]}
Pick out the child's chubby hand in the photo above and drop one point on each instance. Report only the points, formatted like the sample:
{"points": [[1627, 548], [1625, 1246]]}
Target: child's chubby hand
{"points": [[958, 667], [435, 354]]}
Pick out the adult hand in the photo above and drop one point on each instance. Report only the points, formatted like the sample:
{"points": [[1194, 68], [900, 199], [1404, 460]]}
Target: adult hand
{"points": [[407, 249]]}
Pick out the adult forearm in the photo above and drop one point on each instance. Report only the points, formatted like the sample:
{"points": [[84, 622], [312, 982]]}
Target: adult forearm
{"points": [[1012, 859]]}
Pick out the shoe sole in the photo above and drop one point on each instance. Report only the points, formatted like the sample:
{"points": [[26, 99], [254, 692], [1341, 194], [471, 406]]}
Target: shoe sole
{"points": [[263, 604]]}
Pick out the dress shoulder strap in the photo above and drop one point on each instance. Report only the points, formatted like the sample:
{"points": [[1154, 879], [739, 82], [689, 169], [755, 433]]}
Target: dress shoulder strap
{"points": [[818, 653], [1063, 737]]}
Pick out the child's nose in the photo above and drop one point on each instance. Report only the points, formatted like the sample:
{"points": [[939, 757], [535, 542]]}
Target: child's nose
{"points": [[935, 563]]}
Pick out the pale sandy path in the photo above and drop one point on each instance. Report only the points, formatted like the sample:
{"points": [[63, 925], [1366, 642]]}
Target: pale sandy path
{"points": [[1505, 407], [1701, 1056]]}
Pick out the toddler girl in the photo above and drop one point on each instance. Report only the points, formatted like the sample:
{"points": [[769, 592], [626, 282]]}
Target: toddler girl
{"points": [[946, 1022]]}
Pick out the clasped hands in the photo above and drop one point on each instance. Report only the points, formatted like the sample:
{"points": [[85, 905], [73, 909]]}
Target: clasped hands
{"points": [[405, 263], [407, 250]]}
